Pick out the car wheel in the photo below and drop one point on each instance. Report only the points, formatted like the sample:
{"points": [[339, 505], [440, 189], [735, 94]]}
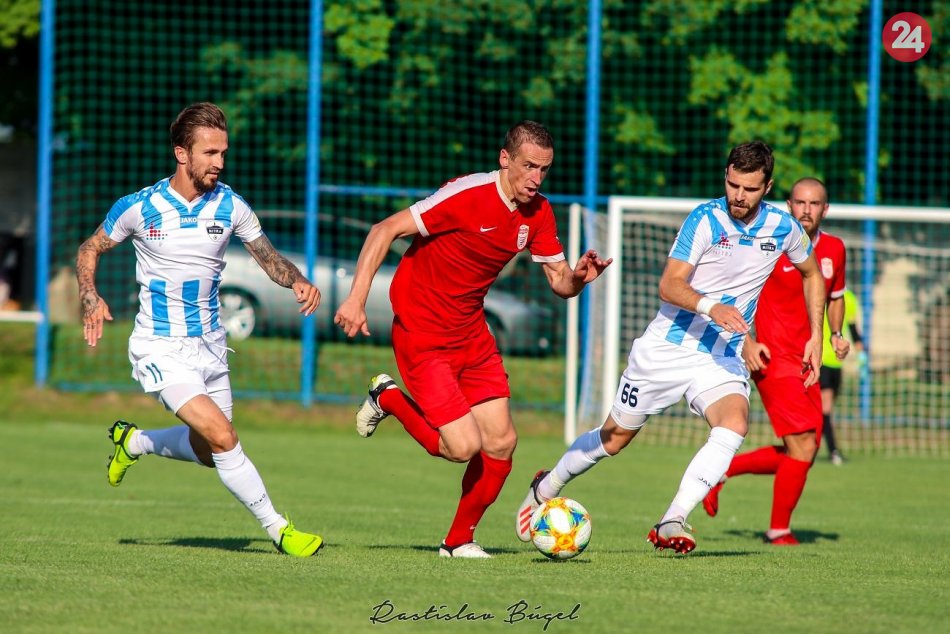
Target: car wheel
{"points": [[495, 328], [238, 313]]}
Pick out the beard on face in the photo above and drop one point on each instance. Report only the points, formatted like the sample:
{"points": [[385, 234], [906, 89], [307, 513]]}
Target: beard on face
{"points": [[202, 186], [741, 214]]}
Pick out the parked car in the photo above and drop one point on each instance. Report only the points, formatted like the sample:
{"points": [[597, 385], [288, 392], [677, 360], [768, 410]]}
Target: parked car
{"points": [[251, 304]]}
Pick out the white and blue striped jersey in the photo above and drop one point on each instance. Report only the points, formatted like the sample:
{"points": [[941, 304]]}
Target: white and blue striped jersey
{"points": [[179, 248], [732, 261]]}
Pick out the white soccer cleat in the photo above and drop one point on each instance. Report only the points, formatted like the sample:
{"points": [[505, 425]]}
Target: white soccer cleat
{"points": [[528, 507], [674, 534], [370, 414], [471, 550]]}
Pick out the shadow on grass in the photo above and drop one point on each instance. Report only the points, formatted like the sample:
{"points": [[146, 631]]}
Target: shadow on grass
{"points": [[699, 553], [803, 536], [435, 549], [235, 544]]}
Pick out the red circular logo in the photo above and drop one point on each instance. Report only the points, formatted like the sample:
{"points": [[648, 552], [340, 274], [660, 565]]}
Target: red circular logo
{"points": [[906, 37]]}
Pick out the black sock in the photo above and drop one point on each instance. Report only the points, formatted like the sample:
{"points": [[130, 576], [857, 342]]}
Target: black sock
{"points": [[829, 434]]}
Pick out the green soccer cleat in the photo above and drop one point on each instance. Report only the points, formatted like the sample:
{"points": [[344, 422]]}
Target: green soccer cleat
{"points": [[298, 543], [121, 459]]}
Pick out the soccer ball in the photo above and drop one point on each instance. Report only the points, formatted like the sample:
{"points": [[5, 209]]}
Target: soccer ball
{"points": [[560, 528]]}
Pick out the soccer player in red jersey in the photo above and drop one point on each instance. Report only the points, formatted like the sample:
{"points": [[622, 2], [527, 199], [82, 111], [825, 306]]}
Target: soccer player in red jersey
{"points": [[465, 233], [774, 357]]}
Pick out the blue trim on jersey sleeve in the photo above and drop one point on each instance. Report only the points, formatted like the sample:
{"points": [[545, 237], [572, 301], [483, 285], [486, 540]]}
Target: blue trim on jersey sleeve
{"points": [[120, 207], [794, 223], [189, 298], [238, 196], [226, 208], [785, 226], [686, 238], [160, 323]]}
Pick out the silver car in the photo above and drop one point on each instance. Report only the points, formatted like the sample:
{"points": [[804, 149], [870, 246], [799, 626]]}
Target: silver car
{"points": [[252, 304]]}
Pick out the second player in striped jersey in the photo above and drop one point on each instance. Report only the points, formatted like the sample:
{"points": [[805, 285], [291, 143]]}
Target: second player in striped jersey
{"points": [[719, 262]]}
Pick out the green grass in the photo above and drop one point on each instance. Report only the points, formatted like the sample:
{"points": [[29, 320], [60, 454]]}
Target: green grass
{"points": [[170, 550]]}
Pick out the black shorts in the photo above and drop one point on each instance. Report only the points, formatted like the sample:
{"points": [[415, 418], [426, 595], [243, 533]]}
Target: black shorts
{"points": [[830, 379]]}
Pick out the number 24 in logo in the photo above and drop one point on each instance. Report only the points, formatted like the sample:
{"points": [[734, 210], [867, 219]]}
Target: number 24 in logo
{"points": [[906, 37]]}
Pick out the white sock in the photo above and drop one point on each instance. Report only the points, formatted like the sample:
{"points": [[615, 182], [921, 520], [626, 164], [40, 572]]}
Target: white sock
{"points": [[172, 442], [241, 478], [586, 451], [704, 471]]}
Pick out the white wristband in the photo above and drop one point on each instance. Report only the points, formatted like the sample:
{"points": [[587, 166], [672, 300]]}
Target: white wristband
{"points": [[705, 305]]}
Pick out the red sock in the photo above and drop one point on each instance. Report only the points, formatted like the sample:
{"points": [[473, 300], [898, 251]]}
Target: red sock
{"points": [[789, 484], [760, 461], [408, 413], [481, 485]]}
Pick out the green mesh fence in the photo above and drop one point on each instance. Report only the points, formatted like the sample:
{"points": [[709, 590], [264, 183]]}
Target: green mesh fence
{"points": [[416, 92]]}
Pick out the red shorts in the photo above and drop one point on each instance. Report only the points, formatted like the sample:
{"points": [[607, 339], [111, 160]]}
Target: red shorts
{"points": [[447, 374], [791, 408]]}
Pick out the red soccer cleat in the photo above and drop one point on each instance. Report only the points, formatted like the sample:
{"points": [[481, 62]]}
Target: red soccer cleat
{"points": [[788, 539], [673, 534]]}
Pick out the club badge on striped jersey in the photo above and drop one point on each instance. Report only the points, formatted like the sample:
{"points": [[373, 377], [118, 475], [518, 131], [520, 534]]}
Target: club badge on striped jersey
{"points": [[215, 230], [522, 236]]}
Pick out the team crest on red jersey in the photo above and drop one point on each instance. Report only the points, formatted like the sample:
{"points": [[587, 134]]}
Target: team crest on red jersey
{"points": [[522, 236], [827, 268]]}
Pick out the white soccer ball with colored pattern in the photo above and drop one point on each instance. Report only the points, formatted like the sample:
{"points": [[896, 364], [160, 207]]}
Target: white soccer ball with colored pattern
{"points": [[560, 528]]}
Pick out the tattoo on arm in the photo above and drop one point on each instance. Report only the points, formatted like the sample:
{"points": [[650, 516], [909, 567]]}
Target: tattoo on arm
{"points": [[86, 262], [277, 267]]}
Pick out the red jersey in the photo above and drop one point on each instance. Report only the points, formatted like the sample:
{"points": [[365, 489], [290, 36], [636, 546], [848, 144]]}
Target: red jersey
{"points": [[781, 321], [468, 231]]}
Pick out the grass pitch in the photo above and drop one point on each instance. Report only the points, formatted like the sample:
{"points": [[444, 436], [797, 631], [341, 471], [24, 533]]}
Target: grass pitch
{"points": [[171, 551]]}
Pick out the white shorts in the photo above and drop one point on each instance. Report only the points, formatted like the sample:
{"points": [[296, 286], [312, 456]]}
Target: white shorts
{"points": [[660, 373], [177, 369]]}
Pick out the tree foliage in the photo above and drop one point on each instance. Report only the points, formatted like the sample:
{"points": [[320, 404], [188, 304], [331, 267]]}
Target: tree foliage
{"points": [[414, 92], [19, 19]]}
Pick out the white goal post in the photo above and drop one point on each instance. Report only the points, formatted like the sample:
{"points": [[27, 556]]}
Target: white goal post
{"points": [[898, 266]]}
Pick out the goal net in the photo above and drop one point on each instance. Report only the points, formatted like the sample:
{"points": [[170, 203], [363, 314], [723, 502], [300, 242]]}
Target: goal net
{"points": [[895, 401]]}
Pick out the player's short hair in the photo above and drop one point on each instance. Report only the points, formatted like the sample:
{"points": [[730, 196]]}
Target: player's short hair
{"points": [[809, 180], [197, 115], [752, 157], [527, 132]]}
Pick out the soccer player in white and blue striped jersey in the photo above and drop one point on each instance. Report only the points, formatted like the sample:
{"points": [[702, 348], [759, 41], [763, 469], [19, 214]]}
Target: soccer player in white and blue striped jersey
{"points": [[180, 228], [719, 262]]}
